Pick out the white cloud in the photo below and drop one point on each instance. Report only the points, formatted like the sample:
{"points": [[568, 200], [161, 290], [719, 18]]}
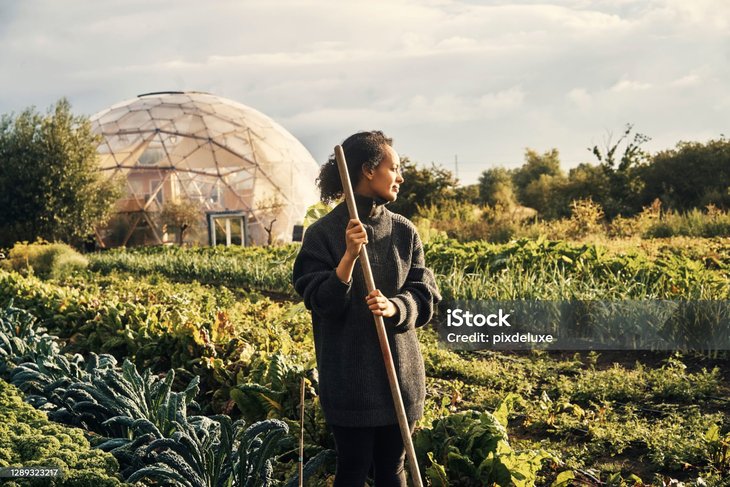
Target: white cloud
{"points": [[630, 85], [705, 14], [534, 72], [580, 97], [688, 80], [447, 109], [440, 110]]}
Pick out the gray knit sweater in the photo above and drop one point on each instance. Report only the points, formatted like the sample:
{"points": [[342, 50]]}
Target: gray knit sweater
{"points": [[354, 387]]}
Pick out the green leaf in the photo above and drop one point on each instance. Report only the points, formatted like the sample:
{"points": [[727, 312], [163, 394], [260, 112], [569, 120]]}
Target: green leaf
{"points": [[506, 406], [563, 479], [436, 473], [713, 434]]}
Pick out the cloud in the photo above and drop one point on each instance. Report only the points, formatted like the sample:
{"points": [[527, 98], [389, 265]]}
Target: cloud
{"points": [[447, 108], [580, 97], [630, 85], [688, 80], [438, 110], [550, 73]]}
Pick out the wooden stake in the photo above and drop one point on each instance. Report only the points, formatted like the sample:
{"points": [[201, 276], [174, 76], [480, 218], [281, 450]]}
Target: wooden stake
{"points": [[400, 410], [301, 437]]}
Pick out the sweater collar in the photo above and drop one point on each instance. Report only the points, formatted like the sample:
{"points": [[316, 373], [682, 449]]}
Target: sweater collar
{"points": [[369, 207]]}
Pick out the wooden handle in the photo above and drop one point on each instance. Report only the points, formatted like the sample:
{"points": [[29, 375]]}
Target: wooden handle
{"points": [[400, 410], [301, 436]]}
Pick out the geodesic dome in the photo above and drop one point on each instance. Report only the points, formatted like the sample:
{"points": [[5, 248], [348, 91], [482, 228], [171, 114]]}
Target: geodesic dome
{"points": [[247, 178]]}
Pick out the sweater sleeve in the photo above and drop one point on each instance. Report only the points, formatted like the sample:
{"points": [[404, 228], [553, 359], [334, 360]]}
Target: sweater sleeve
{"points": [[419, 294], [315, 278]]}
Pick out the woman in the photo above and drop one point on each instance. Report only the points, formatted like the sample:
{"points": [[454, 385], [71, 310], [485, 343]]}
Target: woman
{"points": [[354, 390]]}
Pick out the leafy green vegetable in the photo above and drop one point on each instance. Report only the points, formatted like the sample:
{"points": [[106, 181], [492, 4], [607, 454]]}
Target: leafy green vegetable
{"points": [[28, 439]]}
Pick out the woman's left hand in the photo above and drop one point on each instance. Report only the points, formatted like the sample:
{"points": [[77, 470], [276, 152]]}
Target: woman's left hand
{"points": [[380, 305]]}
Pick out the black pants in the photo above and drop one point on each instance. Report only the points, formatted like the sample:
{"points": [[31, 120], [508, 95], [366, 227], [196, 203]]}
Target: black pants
{"points": [[359, 449]]}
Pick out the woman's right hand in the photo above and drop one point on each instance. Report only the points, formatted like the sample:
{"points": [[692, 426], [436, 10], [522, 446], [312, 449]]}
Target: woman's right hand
{"points": [[355, 237]]}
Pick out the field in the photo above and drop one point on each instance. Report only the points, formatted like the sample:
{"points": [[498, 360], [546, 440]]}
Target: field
{"points": [[182, 354]]}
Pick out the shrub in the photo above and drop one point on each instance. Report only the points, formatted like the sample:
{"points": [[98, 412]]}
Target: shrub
{"points": [[694, 223], [502, 231], [586, 217], [463, 221], [427, 231], [46, 260]]}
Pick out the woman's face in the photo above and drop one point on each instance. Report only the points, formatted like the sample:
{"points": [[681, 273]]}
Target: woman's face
{"points": [[385, 179]]}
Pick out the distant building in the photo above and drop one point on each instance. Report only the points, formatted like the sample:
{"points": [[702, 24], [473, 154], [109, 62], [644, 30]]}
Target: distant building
{"points": [[249, 180]]}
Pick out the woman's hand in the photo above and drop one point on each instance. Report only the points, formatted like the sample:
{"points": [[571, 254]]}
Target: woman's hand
{"points": [[355, 237], [380, 305]]}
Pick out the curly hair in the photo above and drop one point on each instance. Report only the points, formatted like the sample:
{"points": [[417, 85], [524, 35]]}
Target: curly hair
{"points": [[362, 150]]}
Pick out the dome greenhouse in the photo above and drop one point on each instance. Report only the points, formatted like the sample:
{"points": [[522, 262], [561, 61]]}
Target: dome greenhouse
{"points": [[201, 169]]}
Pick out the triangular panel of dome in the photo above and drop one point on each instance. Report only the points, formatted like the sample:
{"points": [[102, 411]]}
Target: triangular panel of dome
{"points": [[228, 112], [169, 139], [133, 120], [217, 126], [200, 159], [238, 145], [146, 102], [224, 158], [166, 112], [155, 125], [183, 148], [265, 152], [152, 156], [174, 98], [111, 116], [128, 156], [111, 128], [204, 108], [189, 124]]}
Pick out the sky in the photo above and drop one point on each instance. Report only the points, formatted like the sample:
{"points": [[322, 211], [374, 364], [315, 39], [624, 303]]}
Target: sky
{"points": [[467, 85]]}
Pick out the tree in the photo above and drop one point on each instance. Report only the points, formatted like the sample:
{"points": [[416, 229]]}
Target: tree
{"points": [[584, 182], [50, 185], [496, 188], [625, 184], [546, 195], [587, 181], [181, 215], [422, 187], [535, 166], [267, 212], [693, 175], [468, 194]]}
